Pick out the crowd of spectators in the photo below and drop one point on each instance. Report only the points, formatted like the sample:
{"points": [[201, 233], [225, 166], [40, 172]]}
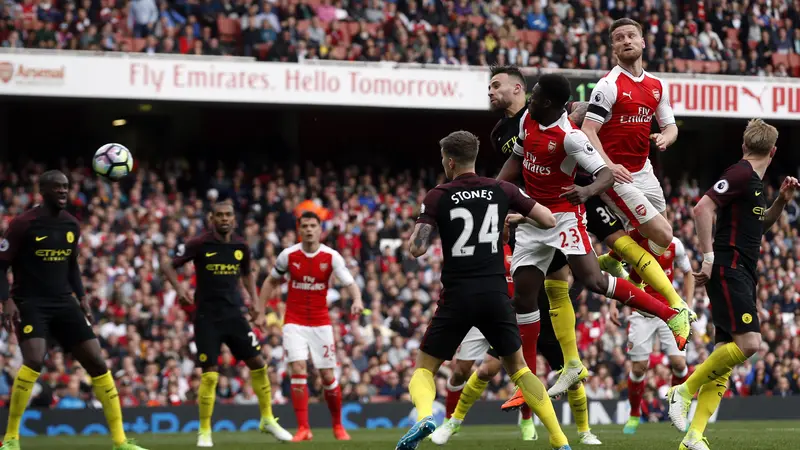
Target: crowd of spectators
{"points": [[739, 37], [147, 335]]}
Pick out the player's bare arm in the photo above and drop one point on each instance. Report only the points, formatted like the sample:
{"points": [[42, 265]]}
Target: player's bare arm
{"points": [[421, 239], [688, 288], [77, 286], [578, 112], [786, 194], [343, 274], [168, 269], [577, 195], [268, 288], [705, 213], [8, 252], [256, 305], [512, 169], [667, 137]]}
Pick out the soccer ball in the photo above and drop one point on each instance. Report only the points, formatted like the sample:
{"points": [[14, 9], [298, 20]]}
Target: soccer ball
{"points": [[113, 161]]}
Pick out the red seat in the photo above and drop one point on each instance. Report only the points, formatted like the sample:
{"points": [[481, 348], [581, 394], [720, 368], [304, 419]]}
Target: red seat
{"points": [[138, 45], [794, 63], [780, 59], [229, 29], [303, 25], [476, 20], [680, 65]]}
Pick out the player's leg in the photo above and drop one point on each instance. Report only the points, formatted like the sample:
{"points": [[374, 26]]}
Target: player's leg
{"points": [[208, 341], [733, 308], [244, 346], [31, 333], [473, 347], [295, 343], [498, 325], [587, 270], [641, 332], [677, 357], [323, 354]]}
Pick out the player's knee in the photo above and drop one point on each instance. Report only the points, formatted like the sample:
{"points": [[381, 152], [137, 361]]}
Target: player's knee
{"points": [[95, 366], [486, 372], [208, 369], [255, 363], [661, 232], [461, 373], [327, 375], [299, 368], [638, 370], [34, 362], [749, 344], [678, 366]]}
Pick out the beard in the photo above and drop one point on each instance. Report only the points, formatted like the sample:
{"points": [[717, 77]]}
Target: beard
{"points": [[631, 57]]}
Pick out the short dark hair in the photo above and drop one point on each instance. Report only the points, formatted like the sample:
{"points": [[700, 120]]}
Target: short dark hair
{"points": [[309, 215], [462, 146], [511, 71], [556, 88], [226, 202], [624, 22], [50, 177]]}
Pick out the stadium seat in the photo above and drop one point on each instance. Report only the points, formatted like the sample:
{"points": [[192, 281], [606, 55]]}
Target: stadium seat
{"points": [[794, 64], [229, 30], [303, 25], [680, 65]]}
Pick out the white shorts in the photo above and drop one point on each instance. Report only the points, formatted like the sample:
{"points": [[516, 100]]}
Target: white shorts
{"points": [[641, 333], [299, 339], [536, 247], [638, 202], [473, 347]]}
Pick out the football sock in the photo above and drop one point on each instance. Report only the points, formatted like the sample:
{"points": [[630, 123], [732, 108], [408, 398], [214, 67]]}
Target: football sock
{"points": [[20, 395], [423, 392], [526, 412], [562, 315], [635, 394], [261, 386], [648, 268], [206, 396], [106, 391], [453, 396], [529, 327], [708, 400], [471, 393], [333, 397], [720, 361], [536, 397], [680, 377], [628, 294], [300, 399], [579, 407]]}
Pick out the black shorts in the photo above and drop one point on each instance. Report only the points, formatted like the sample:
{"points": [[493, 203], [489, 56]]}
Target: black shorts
{"points": [[732, 293], [62, 320], [235, 332], [458, 311], [600, 220]]}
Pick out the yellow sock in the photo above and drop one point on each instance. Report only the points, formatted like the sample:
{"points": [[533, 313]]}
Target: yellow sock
{"points": [[708, 401], [20, 395], [263, 390], [562, 314], [648, 269], [206, 396], [719, 362], [423, 392], [106, 391], [469, 395], [579, 407], [536, 397]]}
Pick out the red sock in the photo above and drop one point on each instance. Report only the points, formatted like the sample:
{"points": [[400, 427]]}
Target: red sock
{"points": [[526, 412], [453, 394], [333, 397], [300, 399], [625, 292], [614, 255], [529, 327], [635, 394], [678, 379]]}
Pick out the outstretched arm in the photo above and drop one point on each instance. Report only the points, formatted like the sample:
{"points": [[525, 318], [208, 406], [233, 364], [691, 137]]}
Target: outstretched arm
{"points": [[786, 194]]}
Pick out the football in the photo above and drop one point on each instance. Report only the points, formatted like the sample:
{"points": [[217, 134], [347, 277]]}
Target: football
{"points": [[113, 161]]}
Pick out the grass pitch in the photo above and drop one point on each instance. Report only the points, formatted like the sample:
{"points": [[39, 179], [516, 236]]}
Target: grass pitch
{"points": [[728, 435]]}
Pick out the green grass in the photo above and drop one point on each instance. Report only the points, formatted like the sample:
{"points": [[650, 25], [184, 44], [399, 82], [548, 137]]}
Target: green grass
{"points": [[723, 436]]}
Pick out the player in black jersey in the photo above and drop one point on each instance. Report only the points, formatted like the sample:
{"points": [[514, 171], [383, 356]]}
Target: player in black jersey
{"points": [[221, 261], [737, 204], [470, 213], [48, 300]]}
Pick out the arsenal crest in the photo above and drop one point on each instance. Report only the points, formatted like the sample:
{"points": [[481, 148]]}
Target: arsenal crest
{"points": [[657, 94], [551, 146], [323, 266], [667, 254]]}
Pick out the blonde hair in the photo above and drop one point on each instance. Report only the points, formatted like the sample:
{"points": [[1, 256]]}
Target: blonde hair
{"points": [[760, 137]]}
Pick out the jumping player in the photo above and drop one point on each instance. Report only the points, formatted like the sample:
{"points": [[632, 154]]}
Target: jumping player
{"points": [[618, 122], [48, 300], [642, 330], [307, 325], [737, 205], [221, 260], [470, 212], [550, 155]]}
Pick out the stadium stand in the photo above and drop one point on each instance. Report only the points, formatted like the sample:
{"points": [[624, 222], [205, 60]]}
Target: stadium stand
{"points": [[727, 37], [146, 334]]}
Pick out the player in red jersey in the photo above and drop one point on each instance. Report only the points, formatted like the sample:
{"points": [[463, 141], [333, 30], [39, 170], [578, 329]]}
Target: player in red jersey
{"points": [[307, 325], [548, 152], [642, 329], [621, 109]]}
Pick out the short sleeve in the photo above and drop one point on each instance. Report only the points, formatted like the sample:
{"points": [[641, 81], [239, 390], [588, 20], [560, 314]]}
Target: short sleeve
{"points": [[518, 200], [577, 145], [681, 258], [281, 265], [429, 207], [604, 95], [186, 252], [519, 148], [341, 271], [664, 113], [731, 185], [13, 239]]}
